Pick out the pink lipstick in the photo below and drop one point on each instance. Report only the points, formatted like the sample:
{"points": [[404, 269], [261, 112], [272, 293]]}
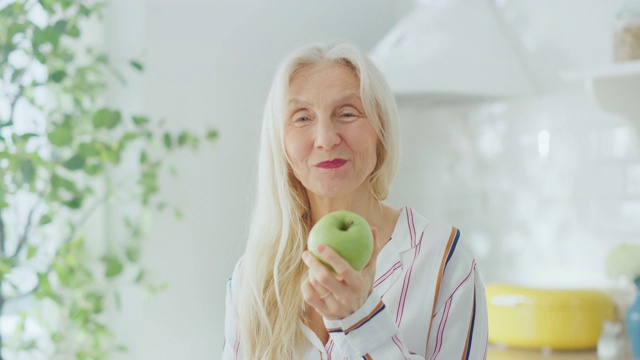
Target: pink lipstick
{"points": [[332, 164]]}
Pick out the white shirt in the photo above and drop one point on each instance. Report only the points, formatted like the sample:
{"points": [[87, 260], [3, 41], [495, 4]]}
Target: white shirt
{"points": [[428, 303]]}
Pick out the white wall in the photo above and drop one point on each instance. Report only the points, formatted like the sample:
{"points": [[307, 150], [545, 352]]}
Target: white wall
{"points": [[209, 63], [544, 186], [541, 188]]}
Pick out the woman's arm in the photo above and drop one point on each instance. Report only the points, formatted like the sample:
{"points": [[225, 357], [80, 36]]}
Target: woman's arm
{"points": [[369, 333], [459, 325], [459, 329]]}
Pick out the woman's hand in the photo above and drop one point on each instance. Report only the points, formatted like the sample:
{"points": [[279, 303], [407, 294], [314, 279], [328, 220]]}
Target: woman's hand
{"points": [[336, 296]]}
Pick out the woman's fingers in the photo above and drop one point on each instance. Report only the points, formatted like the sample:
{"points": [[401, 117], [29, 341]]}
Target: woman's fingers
{"points": [[338, 293], [319, 275], [339, 265], [311, 295]]}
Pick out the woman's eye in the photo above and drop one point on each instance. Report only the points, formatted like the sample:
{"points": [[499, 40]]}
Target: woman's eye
{"points": [[348, 113], [301, 119], [349, 116]]}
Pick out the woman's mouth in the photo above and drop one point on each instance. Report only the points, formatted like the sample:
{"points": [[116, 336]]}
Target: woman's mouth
{"points": [[332, 164]]}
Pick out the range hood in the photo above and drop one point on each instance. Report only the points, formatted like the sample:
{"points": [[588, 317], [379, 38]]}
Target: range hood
{"points": [[452, 50]]}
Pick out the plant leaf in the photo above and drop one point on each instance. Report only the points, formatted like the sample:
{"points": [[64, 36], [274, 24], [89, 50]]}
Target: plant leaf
{"points": [[212, 134], [74, 31], [93, 169], [44, 289], [28, 170], [17, 74], [57, 76], [133, 253], [61, 135], [140, 120], [31, 251], [113, 264], [60, 27], [183, 138], [136, 65], [178, 214], [168, 142], [5, 266], [57, 337], [58, 182], [105, 118], [75, 202], [76, 162], [45, 219], [142, 275]]}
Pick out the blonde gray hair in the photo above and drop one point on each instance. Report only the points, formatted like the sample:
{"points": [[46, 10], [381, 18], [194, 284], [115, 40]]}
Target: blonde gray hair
{"points": [[270, 301]]}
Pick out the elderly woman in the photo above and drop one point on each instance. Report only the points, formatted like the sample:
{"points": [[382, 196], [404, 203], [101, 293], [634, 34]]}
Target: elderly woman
{"points": [[330, 142]]}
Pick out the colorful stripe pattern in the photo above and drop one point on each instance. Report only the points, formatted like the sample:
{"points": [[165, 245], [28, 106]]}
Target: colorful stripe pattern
{"points": [[362, 321], [451, 245], [445, 316], [467, 348], [417, 246]]}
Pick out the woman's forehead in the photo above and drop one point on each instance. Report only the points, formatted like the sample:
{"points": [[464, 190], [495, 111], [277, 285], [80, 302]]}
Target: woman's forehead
{"points": [[323, 66]]}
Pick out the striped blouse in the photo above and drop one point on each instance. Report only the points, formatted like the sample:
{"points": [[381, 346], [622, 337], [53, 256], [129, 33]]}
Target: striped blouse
{"points": [[428, 303]]}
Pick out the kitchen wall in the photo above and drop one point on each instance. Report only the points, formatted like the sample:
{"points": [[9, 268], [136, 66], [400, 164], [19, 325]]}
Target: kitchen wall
{"points": [[541, 186], [546, 184]]}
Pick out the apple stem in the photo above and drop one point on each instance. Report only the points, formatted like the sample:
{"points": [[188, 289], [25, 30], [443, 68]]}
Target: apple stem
{"points": [[346, 226]]}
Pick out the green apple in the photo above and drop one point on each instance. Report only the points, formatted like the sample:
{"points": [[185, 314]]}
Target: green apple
{"points": [[348, 233]]}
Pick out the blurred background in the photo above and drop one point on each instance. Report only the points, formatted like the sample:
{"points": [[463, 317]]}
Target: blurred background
{"points": [[520, 125]]}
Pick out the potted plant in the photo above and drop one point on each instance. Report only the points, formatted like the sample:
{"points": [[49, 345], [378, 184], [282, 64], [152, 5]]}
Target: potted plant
{"points": [[60, 150]]}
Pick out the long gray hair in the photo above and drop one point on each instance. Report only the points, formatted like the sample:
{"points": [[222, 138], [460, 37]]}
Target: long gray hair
{"points": [[270, 302]]}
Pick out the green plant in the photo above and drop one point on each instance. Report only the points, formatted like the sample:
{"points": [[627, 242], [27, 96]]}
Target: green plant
{"points": [[61, 150]]}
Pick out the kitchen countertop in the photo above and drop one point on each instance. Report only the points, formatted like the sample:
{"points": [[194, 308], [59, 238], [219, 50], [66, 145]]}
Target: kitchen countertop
{"points": [[501, 353]]}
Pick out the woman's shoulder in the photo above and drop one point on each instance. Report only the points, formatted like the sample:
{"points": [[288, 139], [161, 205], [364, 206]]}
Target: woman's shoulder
{"points": [[416, 229], [435, 240]]}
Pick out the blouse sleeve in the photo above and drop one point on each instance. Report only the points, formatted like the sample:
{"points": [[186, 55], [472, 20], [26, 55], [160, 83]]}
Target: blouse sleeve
{"points": [[459, 327], [369, 333], [230, 351]]}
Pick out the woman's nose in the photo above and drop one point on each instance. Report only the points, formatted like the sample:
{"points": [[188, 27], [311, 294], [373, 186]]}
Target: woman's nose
{"points": [[327, 135]]}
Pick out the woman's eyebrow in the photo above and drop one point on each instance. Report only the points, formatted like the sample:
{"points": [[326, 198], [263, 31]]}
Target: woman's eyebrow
{"points": [[349, 96], [297, 102]]}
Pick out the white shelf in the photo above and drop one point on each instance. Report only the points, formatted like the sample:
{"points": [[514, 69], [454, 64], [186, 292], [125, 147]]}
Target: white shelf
{"points": [[614, 88]]}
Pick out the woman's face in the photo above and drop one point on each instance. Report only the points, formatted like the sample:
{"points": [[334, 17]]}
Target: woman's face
{"points": [[329, 140]]}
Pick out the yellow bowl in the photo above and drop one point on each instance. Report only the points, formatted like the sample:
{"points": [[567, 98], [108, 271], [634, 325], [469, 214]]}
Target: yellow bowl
{"points": [[547, 318]]}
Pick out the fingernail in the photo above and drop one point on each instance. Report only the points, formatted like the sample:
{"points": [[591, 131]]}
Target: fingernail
{"points": [[305, 256], [321, 248]]}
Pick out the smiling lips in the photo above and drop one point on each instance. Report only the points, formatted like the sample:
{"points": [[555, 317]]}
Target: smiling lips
{"points": [[332, 164]]}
